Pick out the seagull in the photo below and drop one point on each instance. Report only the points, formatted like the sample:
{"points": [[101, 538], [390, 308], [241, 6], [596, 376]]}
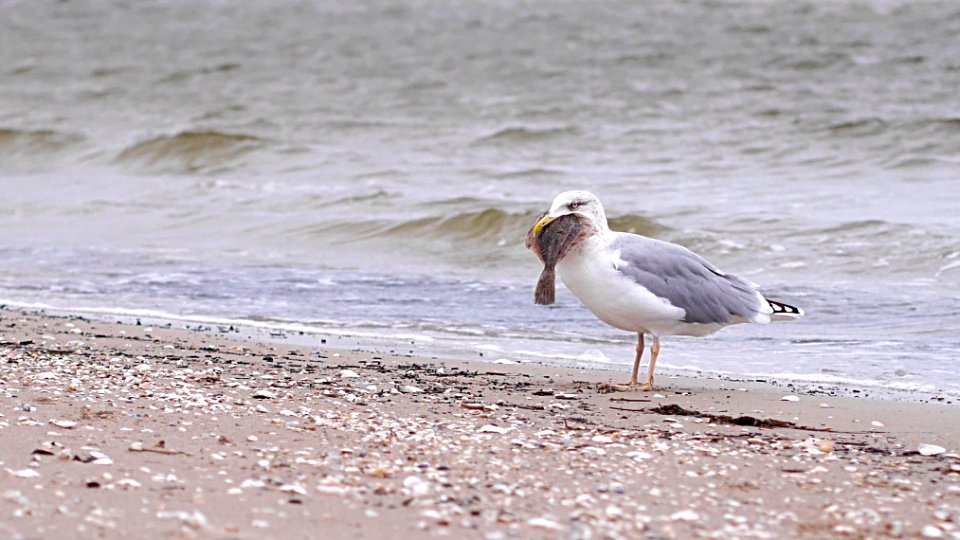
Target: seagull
{"points": [[649, 286]]}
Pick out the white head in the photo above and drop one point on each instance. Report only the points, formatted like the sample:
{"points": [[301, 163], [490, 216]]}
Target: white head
{"points": [[584, 204]]}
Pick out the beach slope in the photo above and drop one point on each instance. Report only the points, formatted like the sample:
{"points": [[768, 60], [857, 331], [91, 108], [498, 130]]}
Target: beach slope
{"points": [[116, 430]]}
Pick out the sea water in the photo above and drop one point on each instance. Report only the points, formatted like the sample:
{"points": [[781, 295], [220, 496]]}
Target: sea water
{"points": [[371, 168]]}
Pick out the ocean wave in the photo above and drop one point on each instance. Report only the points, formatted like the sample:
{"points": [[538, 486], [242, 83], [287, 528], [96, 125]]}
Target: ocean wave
{"points": [[189, 151], [874, 126], [13, 141], [859, 128], [513, 135], [533, 172], [487, 225], [490, 224]]}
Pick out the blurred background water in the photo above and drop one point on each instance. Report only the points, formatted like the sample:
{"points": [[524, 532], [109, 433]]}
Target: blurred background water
{"points": [[372, 168]]}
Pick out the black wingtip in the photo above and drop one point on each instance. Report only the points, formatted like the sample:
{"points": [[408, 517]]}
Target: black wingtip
{"points": [[779, 308]]}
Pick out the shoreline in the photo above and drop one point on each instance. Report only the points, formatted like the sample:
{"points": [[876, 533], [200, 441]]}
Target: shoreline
{"points": [[288, 333], [116, 429]]}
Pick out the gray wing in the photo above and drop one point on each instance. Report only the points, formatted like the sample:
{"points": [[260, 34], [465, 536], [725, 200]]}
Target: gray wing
{"points": [[687, 280]]}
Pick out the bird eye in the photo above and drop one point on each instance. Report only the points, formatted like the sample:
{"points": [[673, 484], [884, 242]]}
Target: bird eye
{"points": [[574, 205]]}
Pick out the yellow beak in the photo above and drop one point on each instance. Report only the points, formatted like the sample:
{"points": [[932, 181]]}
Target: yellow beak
{"points": [[544, 221]]}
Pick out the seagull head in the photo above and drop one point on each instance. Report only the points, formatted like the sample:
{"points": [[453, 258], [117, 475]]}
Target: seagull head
{"points": [[583, 204]]}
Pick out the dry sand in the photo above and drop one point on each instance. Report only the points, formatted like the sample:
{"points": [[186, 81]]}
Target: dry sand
{"points": [[116, 430]]}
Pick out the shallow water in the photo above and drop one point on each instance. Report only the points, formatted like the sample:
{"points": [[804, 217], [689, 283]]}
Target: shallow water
{"points": [[373, 168]]}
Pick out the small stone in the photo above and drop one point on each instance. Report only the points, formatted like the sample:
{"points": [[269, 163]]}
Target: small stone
{"points": [[408, 389], [128, 483], [252, 483], [24, 473], [685, 515], [293, 488], [332, 490], [99, 458], [417, 486], [790, 398], [65, 424], [544, 523], [931, 531], [349, 374], [826, 446], [264, 394], [193, 519], [493, 429], [930, 450]]}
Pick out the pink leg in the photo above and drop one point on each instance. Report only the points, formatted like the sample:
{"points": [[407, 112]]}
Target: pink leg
{"points": [[633, 384], [636, 361], [654, 353]]}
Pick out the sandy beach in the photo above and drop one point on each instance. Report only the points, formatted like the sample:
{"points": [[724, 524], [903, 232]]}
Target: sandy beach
{"points": [[116, 430]]}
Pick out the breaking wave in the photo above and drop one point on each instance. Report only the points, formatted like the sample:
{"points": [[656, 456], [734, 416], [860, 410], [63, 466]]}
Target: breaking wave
{"points": [[190, 151]]}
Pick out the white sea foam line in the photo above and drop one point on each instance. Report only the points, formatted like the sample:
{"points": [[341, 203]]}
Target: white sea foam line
{"points": [[831, 380], [835, 380], [825, 379], [162, 315]]}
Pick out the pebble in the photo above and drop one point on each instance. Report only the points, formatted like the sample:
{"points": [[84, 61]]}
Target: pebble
{"points": [[931, 531], [930, 449], [24, 473], [408, 389], [685, 515], [332, 490], [264, 394], [417, 486], [790, 398], [494, 429], [293, 488], [193, 519], [544, 523], [349, 374]]}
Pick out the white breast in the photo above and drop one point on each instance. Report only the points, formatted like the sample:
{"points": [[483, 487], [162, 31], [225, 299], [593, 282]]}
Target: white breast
{"points": [[591, 275]]}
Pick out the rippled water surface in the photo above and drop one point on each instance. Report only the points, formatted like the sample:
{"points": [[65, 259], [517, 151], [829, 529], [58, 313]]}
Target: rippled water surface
{"points": [[372, 168]]}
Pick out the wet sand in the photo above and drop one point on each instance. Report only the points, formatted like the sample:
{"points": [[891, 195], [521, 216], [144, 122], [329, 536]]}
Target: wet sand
{"points": [[116, 430]]}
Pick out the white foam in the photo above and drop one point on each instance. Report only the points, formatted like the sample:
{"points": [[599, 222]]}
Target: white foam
{"points": [[220, 321]]}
